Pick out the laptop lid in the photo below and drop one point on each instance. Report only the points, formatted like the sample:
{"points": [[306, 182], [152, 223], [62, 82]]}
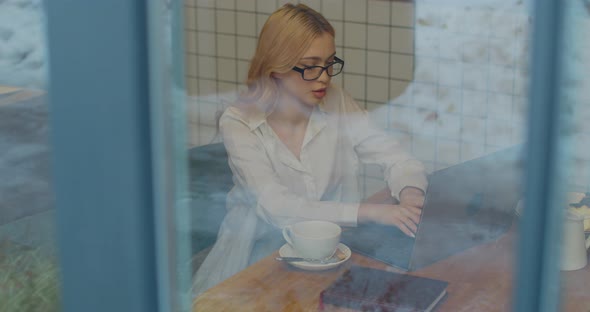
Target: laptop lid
{"points": [[465, 205]]}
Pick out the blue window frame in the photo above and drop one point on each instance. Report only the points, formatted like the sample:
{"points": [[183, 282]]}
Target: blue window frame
{"points": [[115, 169], [537, 275]]}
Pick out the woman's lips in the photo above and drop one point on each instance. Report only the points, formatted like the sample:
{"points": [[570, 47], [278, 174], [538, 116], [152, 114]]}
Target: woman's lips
{"points": [[319, 93]]}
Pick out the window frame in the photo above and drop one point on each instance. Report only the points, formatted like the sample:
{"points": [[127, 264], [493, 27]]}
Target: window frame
{"points": [[537, 273]]}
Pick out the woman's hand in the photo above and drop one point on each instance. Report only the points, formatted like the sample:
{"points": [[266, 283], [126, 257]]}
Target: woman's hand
{"points": [[411, 197], [405, 217]]}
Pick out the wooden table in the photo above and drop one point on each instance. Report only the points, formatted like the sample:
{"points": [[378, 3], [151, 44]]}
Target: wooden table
{"points": [[480, 279]]}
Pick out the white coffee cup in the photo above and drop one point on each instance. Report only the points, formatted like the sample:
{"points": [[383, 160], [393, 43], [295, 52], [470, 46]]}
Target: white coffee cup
{"points": [[574, 244], [313, 239]]}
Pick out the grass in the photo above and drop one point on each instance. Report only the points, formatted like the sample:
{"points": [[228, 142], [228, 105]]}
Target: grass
{"points": [[29, 280]]}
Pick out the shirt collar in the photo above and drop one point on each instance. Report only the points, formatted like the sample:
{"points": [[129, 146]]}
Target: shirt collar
{"points": [[256, 119], [317, 120]]}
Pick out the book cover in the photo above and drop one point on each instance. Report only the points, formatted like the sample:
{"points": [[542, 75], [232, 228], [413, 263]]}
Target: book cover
{"points": [[367, 289]]}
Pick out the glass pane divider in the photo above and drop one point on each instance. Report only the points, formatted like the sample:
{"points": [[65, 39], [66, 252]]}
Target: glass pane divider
{"points": [[537, 275]]}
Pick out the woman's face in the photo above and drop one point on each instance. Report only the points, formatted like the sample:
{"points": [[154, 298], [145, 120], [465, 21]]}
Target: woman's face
{"points": [[309, 93]]}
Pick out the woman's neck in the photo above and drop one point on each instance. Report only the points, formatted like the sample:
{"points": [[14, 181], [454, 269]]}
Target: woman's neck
{"points": [[289, 121], [291, 112]]}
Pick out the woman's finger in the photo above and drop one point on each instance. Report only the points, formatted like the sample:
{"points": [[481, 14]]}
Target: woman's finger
{"points": [[412, 213], [414, 201], [410, 224], [405, 229], [405, 219]]}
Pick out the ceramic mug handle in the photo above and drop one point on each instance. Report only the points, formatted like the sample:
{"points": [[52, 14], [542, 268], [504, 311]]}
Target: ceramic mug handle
{"points": [[287, 235]]}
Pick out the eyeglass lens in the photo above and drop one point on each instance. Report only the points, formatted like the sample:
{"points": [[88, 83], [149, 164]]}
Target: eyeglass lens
{"points": [[315, 72]]}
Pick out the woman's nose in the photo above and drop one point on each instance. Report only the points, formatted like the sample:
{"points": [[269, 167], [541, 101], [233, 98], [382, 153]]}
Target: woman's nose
{"points": [[324, 77]]}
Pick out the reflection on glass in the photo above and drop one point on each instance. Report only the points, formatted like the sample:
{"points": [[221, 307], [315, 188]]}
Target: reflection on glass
{"points": [[29, 272], [446, 82], [574, 103]]}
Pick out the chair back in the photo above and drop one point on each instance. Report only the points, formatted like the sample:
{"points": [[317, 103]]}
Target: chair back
{"points": [[210, 180]]}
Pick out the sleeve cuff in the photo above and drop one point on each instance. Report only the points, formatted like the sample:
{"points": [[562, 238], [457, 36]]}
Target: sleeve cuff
{"points": [[417, 181], [349, 214]]}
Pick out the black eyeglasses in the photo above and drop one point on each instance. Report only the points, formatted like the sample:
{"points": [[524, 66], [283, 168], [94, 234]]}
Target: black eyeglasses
{"points": [[310, 73]]}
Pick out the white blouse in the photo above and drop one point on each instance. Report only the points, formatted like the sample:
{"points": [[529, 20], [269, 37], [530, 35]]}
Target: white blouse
{"points": [[273, 188]]}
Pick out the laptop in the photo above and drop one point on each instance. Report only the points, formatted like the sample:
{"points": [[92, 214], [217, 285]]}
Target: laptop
{"points": [[465, 205]]}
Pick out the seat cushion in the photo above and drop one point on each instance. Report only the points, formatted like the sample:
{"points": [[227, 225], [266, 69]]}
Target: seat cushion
{"points": [[210, 181]]}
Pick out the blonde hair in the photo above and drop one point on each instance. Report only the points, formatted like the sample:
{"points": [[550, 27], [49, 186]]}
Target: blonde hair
{"points": [[284, 39]]}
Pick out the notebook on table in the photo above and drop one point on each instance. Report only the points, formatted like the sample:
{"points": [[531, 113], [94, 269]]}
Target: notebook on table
{"points": [[368, 289], [465, 205]]}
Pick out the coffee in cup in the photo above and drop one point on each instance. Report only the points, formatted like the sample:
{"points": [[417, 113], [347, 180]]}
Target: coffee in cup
{"points": [[313, 239]]}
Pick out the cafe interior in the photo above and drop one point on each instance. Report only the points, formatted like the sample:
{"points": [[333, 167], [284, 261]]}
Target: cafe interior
{"points": [[461, 85]]}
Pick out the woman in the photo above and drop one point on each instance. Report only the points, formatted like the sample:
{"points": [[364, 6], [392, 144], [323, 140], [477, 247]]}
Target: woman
{"points": [[295, 143]]}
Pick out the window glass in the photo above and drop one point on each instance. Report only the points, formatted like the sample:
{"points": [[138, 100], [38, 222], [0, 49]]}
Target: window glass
{"points": [[29, 268], [448, 81], [574, 105]]}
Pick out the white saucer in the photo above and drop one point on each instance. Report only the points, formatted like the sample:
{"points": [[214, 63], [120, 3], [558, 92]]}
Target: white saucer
{"points": [[287, 251]]}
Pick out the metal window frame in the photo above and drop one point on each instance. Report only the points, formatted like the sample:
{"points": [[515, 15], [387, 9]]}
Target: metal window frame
{"points": [[537, 274], [118, 173]]}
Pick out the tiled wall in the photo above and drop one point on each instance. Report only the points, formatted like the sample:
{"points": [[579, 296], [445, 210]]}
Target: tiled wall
{"points": [[377, 36], [449, 80]]}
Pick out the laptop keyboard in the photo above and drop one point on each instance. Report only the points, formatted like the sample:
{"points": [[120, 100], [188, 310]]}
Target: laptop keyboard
{"points": [[384, 243]]}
